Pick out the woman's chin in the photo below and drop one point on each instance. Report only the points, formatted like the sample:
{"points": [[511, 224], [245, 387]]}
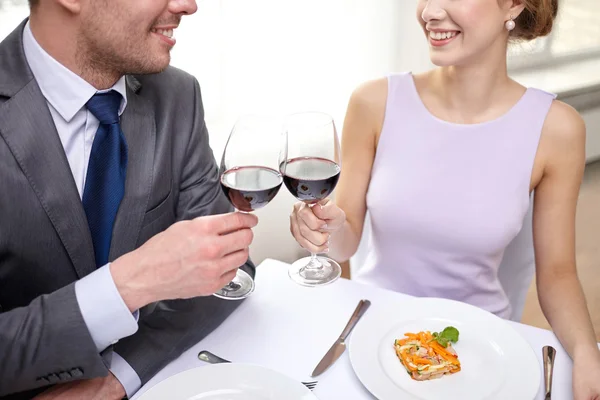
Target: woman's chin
{"points": [[443, 61]]}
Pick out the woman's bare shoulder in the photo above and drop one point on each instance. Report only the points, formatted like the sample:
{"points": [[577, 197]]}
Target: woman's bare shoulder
{"points": [[562, 144], [564, 126], [366, 108], [371, 94]]}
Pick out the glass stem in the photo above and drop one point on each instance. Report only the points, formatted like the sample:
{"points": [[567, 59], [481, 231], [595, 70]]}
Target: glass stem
{"points": [[314, 264], [233, 285]]}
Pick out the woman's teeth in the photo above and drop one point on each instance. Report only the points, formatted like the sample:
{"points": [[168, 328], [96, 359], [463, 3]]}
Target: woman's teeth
{"points": [[442, 35]]}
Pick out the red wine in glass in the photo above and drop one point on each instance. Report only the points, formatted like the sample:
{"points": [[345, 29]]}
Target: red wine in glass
{"points": [[250, 179], [310, 179], [252, 187]]}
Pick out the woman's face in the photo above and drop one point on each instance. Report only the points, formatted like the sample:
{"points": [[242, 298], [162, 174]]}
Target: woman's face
{"points": [[461, 31]]}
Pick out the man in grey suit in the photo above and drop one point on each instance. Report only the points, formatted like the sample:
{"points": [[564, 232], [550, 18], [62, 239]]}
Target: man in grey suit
{"points": [[114, 232]]}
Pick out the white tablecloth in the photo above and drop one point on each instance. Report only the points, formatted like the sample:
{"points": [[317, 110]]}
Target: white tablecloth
{"points": [[288, 328]]}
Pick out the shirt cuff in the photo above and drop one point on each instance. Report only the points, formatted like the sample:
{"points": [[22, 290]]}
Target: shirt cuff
{"points": [[126, 375], [105, 313]]}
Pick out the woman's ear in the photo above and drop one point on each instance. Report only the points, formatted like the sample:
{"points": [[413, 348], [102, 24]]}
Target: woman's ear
{"points": [[515, 8]]}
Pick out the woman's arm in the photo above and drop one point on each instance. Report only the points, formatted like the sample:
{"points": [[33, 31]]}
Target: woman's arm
{"points": [[563, 150], [337, 226], [362, 126]]}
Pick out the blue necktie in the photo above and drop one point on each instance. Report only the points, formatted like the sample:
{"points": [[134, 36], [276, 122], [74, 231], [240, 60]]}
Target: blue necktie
{"points": [[105, 180]]}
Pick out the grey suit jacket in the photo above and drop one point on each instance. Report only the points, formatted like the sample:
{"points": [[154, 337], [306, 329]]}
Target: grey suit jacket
{"points": [[45, 243]]}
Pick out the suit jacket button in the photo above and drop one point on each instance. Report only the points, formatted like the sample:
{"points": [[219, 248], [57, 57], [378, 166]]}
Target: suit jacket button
{"points": [[42, 380], [64, 376], [53, 378], [76, 372]]}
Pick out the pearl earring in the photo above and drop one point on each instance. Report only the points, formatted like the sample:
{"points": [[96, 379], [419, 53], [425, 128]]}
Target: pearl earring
{"points": [[510, 24]]}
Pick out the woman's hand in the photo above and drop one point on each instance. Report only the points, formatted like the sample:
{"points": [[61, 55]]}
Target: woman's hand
{"points": [[312, 226], [586, 376]]}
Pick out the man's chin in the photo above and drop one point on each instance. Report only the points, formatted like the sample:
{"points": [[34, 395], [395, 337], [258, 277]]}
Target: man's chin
{"points": [[154, 66], [160, 68], [162, 63]]}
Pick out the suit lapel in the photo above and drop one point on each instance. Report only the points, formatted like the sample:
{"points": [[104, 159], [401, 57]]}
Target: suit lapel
{"points": [[35, 144], [138, 125]]}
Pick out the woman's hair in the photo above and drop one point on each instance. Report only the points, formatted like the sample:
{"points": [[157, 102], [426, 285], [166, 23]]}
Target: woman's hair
{"points": [[536, 19]]}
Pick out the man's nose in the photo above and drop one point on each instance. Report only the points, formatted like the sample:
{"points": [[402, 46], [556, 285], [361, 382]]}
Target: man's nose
{"points": [[183, 7]]}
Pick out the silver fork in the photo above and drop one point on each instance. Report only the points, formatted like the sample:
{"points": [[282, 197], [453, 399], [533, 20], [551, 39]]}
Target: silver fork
{"points": [[211, 358]]}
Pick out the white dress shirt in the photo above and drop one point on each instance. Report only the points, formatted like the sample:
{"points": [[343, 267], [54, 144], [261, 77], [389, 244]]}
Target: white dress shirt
{"points": [[107, 317]]}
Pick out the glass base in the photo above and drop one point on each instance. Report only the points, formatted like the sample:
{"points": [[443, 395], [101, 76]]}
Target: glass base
{"points": [[239, 288], [315, 272]]}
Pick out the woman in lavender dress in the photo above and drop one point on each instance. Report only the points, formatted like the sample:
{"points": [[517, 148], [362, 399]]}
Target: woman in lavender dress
{"points": [[445, 163]]}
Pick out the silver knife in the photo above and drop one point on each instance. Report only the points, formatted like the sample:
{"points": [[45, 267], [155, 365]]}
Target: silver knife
{"points": [[340, 344]]}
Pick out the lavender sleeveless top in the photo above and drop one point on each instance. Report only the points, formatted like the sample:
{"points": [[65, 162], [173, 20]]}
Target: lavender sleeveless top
{"points": [[446, 199]]}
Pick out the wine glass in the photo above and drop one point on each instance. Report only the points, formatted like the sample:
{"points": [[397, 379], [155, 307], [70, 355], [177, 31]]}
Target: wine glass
{"points": [[311, 170], [250, 178]]}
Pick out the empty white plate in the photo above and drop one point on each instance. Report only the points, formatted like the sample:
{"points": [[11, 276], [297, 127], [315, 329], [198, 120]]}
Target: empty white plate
{"points": [[229, 382]]}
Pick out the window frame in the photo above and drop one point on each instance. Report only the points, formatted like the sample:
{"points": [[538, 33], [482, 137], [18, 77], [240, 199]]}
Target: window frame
{"points": [[545, 59]]}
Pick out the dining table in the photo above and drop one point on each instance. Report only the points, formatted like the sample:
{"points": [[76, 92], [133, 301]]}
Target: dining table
{"points": [[288, 328]]}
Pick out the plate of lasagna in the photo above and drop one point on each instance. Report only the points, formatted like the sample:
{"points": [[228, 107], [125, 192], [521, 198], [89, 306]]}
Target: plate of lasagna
{"points": [[427, 355], [431, 349]]}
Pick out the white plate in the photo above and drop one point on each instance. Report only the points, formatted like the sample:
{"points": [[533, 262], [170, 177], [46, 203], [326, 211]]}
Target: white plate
{"points": [[229, 382], [496, 362]]}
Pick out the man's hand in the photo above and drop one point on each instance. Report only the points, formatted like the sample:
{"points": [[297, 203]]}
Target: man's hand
{"points": [[190, 259], [105, 388]]}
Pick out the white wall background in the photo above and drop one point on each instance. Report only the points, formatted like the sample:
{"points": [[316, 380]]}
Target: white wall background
{"points": [[280, 56]]}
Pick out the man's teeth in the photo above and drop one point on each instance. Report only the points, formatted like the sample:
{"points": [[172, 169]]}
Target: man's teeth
{"points": [[165, 32], [442, 35]]}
